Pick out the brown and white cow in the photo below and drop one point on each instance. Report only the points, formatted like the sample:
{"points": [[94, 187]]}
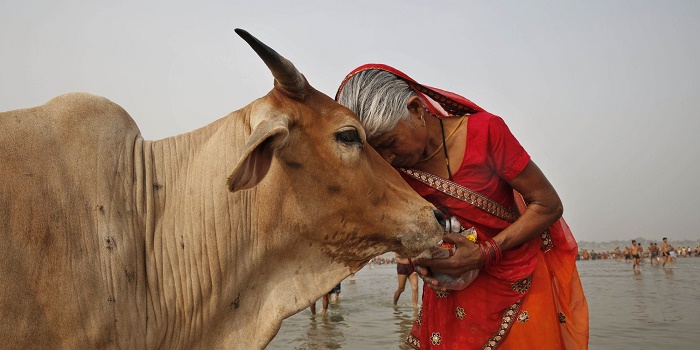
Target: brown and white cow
{"points": [[204, 240]]}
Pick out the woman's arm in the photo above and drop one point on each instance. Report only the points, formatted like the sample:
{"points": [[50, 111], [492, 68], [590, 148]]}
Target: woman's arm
{"points": [[544, 208]]}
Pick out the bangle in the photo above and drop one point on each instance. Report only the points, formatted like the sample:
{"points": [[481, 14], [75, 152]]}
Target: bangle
{"points": [[488, 258], [485, 257], [498, 254]]}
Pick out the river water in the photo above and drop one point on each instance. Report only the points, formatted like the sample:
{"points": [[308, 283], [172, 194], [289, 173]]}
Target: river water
{"points": [[655, 309]]}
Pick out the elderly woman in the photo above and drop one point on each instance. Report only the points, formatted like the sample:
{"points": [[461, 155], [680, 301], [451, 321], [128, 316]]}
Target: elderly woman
{"points": [[466, 161]]}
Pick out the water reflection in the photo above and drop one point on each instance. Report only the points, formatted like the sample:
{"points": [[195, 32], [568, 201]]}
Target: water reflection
{"points": [[647, 310], [405, 318], [324, 331], [639, 312]]}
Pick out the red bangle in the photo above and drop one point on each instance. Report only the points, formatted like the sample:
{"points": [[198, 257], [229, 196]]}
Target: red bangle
{"points": [[482, 256], [487, 258], [497, 251]]}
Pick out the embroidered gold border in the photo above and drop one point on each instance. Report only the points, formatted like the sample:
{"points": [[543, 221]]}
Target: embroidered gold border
{"points": [[412, 341], [462, 193], [509, 317], [448, 104]]}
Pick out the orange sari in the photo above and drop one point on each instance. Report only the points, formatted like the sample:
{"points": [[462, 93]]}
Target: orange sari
{"points": [[556, 289]]}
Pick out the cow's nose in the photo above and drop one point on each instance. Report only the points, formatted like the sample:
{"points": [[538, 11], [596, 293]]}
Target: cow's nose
{"points": [[440, 216]]}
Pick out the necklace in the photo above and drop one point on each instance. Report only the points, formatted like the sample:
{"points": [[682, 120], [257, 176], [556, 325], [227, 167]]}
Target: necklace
{"points": [[445, 139], [444, 144]]}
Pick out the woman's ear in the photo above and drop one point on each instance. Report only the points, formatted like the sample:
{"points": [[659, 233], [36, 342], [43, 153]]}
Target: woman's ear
{"points": [[415, 105]]}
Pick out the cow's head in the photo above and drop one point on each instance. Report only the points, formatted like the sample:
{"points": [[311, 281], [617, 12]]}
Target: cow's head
{"points": [[310, 157]]}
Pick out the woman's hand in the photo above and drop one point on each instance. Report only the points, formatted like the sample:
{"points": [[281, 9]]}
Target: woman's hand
{"points": [[427, 277], [466, 258]]}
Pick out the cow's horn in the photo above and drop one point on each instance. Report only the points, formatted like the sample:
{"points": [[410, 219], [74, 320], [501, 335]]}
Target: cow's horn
{"points": [[286, 75]]}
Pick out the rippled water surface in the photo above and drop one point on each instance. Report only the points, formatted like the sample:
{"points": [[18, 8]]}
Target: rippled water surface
{"points": [[654, 309]]}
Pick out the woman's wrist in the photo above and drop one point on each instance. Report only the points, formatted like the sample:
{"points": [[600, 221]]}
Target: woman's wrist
{"points": [[490, 253]]}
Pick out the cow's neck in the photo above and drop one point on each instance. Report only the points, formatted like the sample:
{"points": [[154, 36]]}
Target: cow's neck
{"points": [[187, 223], [218, 269]]}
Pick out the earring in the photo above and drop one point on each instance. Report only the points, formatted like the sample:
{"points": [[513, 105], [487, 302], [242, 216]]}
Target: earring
{"points": [[421, 118]]}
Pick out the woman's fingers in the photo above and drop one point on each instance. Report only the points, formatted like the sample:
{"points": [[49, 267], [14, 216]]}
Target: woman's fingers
{"points": [[455, 239], [426, 276], [449, 265], [466, 258], [420, 270]]}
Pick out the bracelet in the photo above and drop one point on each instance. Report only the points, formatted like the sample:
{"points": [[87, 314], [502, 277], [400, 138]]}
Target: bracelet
{"points": [[486, 257], [482, 259], [496, 250]]}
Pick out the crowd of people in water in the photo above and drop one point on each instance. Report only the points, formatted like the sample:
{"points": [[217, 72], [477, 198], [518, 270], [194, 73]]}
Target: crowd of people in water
{"points": [[637, 254], [654, 254], [652, 251]]}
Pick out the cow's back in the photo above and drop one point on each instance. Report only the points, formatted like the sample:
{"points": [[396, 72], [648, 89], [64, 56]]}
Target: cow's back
{"points": [[71, 265]]}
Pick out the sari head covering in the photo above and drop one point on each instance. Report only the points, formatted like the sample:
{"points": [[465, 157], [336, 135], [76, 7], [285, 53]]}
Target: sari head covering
{"points": [[438, 102]]}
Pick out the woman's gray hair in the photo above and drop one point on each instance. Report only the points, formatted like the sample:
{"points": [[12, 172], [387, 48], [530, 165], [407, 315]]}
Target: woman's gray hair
{"points": [[379, 98]]}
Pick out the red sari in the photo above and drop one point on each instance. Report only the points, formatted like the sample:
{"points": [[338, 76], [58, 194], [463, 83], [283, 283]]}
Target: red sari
{"points": [[533, 299]]}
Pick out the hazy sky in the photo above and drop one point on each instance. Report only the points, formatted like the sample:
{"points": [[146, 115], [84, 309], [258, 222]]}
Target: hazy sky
{"points": [[605, 95]]}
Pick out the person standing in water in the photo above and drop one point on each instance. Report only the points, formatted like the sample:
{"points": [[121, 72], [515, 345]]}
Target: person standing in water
{"points": [[405, 271], [634, 254], [666, 250]]}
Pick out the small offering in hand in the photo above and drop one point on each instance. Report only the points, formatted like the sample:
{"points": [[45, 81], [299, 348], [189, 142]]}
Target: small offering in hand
{"points": [[445, 250]]}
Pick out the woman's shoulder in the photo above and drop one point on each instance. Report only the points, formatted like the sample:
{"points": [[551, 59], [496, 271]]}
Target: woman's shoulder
{"points": [[485, 118], [489, 126], [481, 124], [482, 116]]}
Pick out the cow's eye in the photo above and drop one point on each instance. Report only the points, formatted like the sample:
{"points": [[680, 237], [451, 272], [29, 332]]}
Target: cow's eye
{"points": [[349, 136]]}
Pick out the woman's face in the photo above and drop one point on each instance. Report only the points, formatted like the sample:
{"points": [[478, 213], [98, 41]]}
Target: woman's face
{"points": [[403, 146]]}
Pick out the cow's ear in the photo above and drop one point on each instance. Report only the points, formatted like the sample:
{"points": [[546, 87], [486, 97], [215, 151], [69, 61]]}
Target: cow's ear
{"points": [[269, 134]]}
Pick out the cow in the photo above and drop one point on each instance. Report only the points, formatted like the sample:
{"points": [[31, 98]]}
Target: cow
{"points": [[205, 240]]}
